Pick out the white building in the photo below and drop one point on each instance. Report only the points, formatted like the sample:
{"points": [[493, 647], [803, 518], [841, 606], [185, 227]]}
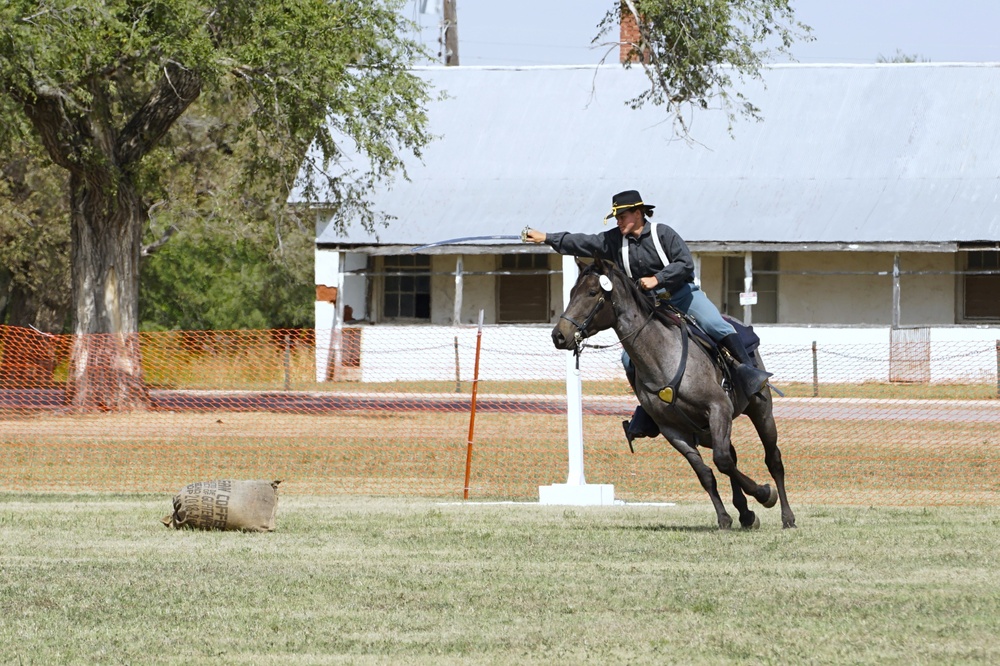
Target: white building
{"points": [[868, 197]]}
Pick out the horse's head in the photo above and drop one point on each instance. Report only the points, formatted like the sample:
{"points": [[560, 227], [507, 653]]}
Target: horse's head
{"points": [[589, 310]]}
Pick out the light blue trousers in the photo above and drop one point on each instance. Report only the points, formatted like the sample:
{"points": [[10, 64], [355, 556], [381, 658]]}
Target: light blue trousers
{"points": [[693, 301]]}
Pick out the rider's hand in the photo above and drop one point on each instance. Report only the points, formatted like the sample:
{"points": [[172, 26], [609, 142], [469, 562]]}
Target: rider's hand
{"points": [[534, 236], [648, 283]]}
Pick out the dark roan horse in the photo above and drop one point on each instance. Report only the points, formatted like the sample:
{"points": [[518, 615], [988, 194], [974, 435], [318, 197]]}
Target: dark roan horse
{"points": [[698, 411]]}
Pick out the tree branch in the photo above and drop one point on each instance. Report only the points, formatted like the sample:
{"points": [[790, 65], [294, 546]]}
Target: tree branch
{"points": [[156, 245], [173, 93]]}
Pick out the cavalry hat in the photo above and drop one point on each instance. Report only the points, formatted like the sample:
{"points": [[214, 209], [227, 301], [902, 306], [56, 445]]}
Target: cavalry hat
{"points": [[626, 200]]}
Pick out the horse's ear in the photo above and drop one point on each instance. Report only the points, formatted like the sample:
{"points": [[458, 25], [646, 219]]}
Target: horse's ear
{"points": [[599, 264], [580, 264]]}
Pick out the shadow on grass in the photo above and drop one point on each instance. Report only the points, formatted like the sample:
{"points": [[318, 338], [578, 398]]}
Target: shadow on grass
{"points": [[673, 528], [661, 527]]}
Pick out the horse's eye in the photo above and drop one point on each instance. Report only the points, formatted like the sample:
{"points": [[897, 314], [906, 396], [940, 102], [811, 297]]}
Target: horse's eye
{"points": [[593, 292]]}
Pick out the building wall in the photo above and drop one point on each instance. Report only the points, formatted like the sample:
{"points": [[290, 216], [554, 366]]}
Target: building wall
{"points": [[478, 291], [830, 310], [711, 276], [525, 352], [928, 300], [831, 299], [865, 299]]}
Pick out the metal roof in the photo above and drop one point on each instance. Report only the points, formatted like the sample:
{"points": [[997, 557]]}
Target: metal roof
{"points": [[883, 154]]}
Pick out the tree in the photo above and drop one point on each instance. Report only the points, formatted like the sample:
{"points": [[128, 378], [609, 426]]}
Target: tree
{"points": [[691, 49], [901, 57], [34, 243], [101, 83], [220, 253]]}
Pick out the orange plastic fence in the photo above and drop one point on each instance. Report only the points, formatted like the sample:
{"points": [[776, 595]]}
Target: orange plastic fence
{"points": [[385, 410]]}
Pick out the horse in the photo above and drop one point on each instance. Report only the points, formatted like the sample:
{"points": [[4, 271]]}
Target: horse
{"points": [[682, 392]]}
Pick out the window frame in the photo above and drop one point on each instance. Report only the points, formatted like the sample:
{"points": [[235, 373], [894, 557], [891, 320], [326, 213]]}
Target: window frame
{"points": [[420, 267], [984, 282], [537, 262]]}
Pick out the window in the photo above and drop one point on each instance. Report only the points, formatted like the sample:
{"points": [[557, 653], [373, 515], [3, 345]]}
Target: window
{"points": [[407, 292], [982, 292], [523, 299], [766, 286]]}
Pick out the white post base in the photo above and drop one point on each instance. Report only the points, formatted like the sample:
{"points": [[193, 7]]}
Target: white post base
{"points": [[587, 494]]}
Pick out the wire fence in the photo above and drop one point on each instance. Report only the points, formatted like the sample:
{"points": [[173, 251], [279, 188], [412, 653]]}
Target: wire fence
{"points": [[387, 410]]}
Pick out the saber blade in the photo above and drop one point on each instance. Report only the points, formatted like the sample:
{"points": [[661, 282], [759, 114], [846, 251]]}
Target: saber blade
{"points": [[466, 239]]}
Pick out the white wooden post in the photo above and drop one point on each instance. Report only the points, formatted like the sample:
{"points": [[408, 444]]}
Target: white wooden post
{"points": [[576, 490], [338, 325], [748, 288], [574, 391], [456, 317], [328, 272]]}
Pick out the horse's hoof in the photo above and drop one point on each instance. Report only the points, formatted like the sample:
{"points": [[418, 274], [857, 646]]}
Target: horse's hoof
{"points": [[753, 524], [725, 522], [772, 497], [789, 525]]}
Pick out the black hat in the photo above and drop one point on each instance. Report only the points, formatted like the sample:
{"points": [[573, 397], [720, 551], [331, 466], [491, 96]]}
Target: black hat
{"points": [[626, 200]]}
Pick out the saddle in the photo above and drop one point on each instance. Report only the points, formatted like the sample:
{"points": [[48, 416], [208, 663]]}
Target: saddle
{"points": [[670, 315]]}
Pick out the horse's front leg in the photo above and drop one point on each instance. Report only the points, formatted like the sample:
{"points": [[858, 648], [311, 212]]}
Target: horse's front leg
{"points": [[682, 442], [724, 457]]}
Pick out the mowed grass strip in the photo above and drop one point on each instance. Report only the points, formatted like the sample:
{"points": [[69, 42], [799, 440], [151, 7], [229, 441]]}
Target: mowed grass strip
{"points": [[96, 579]]}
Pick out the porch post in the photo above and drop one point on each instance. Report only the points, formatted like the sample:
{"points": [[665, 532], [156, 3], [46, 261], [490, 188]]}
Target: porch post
{"points": [[338, 326], [328, 271], [456, 317], [895, 290], [748, 286]]}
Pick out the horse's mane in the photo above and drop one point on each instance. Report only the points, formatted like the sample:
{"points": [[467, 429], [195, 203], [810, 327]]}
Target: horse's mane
{"points": [[642, 299]]}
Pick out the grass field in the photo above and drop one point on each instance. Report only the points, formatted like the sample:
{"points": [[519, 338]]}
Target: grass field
{"points": [[96, 579], [882, 462]]}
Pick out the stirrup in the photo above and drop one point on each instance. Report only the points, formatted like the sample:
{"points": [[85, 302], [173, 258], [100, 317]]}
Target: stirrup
{"points": [[752, 380], [628, 434]]}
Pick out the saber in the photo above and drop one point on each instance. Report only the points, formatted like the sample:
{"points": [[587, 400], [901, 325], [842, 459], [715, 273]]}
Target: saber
{"points": [[465, 239]]}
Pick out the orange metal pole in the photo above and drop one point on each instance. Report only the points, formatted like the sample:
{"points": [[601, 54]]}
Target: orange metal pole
{"points": [[472, 413]]}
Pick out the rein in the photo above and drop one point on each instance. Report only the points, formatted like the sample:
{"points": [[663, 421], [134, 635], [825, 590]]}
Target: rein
{"points": [[581, 329], [625, 337]]}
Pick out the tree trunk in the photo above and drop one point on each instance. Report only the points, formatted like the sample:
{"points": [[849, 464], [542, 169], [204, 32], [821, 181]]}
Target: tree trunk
{"points": [[107, 217], [107, 223]]}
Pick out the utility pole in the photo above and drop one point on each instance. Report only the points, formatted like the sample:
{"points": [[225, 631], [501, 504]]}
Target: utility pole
{"points": [[449, 29]]}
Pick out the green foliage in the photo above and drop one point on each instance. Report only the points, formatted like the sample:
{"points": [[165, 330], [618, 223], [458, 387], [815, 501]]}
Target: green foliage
{"points": [[203, 112], [34, 242], [900, 57], [692, 49], [214, 282], [235, 256]]}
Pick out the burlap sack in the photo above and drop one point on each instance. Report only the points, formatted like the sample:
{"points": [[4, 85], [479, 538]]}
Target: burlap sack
{"points": [[226, 505]]}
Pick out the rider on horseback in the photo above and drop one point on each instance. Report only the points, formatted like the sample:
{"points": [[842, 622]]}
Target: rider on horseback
{"points": [[660, 259]]}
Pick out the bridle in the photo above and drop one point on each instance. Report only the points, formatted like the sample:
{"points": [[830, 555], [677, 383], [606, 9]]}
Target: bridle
{"points": [[581, 329]]}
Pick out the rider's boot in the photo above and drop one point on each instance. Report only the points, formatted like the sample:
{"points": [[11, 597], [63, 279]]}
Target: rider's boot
{"points": [[751, 379], [640, 425]]}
